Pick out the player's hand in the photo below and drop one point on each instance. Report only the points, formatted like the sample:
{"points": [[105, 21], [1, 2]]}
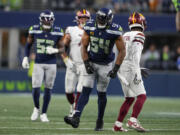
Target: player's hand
{"points": [[25, 63], [145, 72], [51, 50], [88, 66], [68, 62], [113, 72]]}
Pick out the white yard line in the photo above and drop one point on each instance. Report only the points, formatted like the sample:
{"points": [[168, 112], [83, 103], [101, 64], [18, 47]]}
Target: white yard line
{"points": [[168, 113], [30, 128]]}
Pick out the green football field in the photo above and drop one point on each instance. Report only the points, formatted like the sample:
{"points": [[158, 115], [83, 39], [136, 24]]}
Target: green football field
{"points": [[161, 116]]}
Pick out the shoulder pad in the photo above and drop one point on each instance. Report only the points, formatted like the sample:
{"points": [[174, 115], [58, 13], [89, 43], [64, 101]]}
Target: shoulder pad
{"points": [[115, 26], [90, 26], [139, 37], [35, 29], [90, 23], [115, 29], [57, 31], [68, 29]]}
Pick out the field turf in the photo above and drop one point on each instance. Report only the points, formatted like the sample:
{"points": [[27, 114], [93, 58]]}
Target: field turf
{"points": [[161, 116]]}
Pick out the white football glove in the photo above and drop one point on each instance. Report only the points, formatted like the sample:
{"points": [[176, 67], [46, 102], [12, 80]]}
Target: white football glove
{"points": [[68, 62], [25, 63], [51, 50]]}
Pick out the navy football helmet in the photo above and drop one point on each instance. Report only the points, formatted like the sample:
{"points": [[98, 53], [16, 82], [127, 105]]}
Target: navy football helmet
{"points": [[47, 19], [104, 17]]}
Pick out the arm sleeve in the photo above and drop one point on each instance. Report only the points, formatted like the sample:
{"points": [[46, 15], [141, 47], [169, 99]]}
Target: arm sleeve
{"points": [[137, 48], [137, 45], [28, 45], [27, 49]]}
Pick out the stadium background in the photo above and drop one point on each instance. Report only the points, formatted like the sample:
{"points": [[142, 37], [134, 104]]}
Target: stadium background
{"points": [[161, 112], [161, 51]]}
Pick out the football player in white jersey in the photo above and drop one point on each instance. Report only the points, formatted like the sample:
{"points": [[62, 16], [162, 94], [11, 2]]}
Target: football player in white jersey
{"points": [[130, 73], [73, 61]]}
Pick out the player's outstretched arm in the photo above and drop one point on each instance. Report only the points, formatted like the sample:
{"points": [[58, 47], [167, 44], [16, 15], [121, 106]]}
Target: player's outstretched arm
{"points": [[85, 42], [25, 62], [122, 52]]}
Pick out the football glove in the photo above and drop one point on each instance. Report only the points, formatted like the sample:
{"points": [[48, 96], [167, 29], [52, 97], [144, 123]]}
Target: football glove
{"points": [[68, 62], [145, 72], [88, 66], [25, 63], [51, 50], [113, 72]]}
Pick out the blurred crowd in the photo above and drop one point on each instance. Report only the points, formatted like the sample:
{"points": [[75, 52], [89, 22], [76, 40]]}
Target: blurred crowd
{"points": [[152, 6], [165, 58]]}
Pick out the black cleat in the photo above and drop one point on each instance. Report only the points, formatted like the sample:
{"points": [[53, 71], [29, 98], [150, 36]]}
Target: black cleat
{"points": [[73, 121], [99, 125]]}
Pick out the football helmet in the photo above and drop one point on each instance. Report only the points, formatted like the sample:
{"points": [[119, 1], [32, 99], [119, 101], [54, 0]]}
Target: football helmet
{"points": [[104, 17], [82, 14], [47, 19], [137, 20]]}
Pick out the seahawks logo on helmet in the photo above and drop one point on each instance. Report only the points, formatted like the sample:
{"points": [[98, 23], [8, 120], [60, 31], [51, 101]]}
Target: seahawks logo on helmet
{"points": [[47, 19]]}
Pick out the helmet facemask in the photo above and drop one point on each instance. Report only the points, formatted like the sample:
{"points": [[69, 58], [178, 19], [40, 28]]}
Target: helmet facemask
{"points": [[82, 17], [103, 19], [46, 20]]}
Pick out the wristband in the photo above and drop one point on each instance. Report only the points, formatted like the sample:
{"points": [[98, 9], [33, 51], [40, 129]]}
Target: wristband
{"points": [[116, 67]]}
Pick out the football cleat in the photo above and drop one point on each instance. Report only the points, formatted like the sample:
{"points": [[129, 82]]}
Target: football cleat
{"points": [[99, 125], [73, 121], [44, 117], [135, 125], [118, 127], [35, 114]]}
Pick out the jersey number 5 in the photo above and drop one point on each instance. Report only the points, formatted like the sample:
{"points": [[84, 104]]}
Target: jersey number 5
{"points": [[42, 44], [99, 43]]}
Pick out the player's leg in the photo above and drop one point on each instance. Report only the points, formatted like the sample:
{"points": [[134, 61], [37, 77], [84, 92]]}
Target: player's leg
{"points": [[139, 90], [50, 75], [79, 88], [129, 99], [37, 78], [88, 84], [71, 80], [102, 84]]}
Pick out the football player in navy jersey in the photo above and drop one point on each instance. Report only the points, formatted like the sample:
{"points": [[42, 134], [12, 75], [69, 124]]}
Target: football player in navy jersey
{"points": [[100, 35], [45, 38]]}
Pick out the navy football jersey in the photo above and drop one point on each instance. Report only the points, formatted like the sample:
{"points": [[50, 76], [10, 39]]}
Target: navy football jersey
{"points": [[102, 42], [43, 39]]}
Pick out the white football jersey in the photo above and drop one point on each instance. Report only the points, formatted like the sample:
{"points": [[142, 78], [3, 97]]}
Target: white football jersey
{"points": [[134, 42], [75, 44]]}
